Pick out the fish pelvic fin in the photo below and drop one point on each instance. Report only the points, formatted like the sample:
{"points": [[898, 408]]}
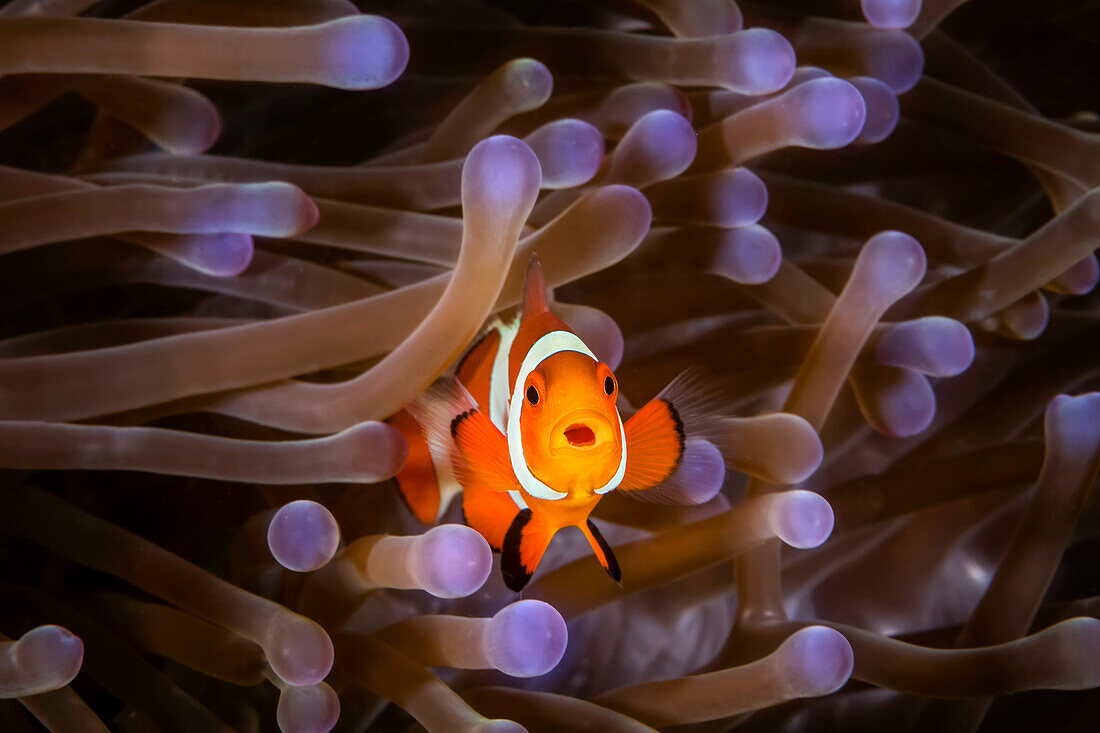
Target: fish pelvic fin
{"points": [[602, 550], [524, 545]]}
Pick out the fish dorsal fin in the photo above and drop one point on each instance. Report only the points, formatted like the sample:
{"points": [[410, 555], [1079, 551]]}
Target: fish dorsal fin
{"points": [[483, 453], [536, 300]]}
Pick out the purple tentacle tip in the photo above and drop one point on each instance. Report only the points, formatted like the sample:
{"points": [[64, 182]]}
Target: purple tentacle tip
{"points": [[802, 519], [829, 112], [895, 58], [748, 255], [756, 61], [883, 112], [740, 198], [893, 263], [364, 51], [298, 650], [452, 561], [659, 146], [501, 172], [569, 151], [820, 658], [50, 652], [222, 255], [303, 536], [310, 709], [527, 639], [891, 13], [702, 471]]}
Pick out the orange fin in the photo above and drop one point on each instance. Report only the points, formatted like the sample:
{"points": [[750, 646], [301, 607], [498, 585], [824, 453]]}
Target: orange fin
{"points": [[417, 479], [524, 545], [602, 550], [489, 512], [671, 454], [484, 451], [654, 445]]}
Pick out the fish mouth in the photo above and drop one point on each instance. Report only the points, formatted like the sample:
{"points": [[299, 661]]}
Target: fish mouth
{"points": [[582, 430], [580, 435]]}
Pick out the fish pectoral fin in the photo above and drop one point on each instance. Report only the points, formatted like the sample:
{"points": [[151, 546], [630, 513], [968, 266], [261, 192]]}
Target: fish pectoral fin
{"points": [[672, 455], [654, 445], [524, 545], [602, 550], [483, 453]]}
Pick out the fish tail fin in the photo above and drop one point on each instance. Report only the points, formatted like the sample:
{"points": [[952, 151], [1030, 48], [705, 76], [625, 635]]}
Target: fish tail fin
{"points": [[671, 454], [524, 545], [417, 479], [602, 550], [427, 480]]}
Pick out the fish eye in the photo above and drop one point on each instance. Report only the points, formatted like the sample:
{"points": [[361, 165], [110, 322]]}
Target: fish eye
{"points": [[532, 395], [609, 386]]}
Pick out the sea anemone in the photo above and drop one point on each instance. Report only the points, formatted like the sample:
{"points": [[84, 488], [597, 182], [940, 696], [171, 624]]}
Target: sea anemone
{"points": [[239, 236]]}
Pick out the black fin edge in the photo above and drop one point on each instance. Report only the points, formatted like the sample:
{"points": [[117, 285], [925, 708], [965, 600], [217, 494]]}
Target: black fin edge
{"points": [[457, 420], [612, 563], [511, 567], [679, 423]]}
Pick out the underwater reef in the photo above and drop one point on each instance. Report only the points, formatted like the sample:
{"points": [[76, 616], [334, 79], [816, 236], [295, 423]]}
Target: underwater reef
{"points": [[238, 235]]}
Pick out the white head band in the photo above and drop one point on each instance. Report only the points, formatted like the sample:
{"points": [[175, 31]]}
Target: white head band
{"points": [[548, 345]]}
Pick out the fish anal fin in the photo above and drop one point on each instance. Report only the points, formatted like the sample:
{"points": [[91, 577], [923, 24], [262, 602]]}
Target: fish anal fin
{"points": [[417, 479], [602, 550], [524, 545], [654, 445], [484, 453]]}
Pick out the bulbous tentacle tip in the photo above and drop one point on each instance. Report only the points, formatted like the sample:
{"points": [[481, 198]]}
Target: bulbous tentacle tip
{"points": [[527, 638], [883, 111], [897, 402], [819, 660], [452, 561], [891, 263], [303, 536], [754, 61], [569, 151], [363, 51], [49, 653], [225, 255], [802, 519], [660, 145], [527, 82], [749, 255], [830, 112], [298, 650], [309, 709], [501, 174], [891, 14], [895, 58], [378, 450], [702, 471]]}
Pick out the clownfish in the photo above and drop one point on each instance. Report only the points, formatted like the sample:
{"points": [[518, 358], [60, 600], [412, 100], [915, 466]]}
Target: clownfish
{"points": [[528, 429]]}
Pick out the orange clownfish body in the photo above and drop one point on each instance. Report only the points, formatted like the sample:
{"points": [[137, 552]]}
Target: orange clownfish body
{"points": [[531, 436]]}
